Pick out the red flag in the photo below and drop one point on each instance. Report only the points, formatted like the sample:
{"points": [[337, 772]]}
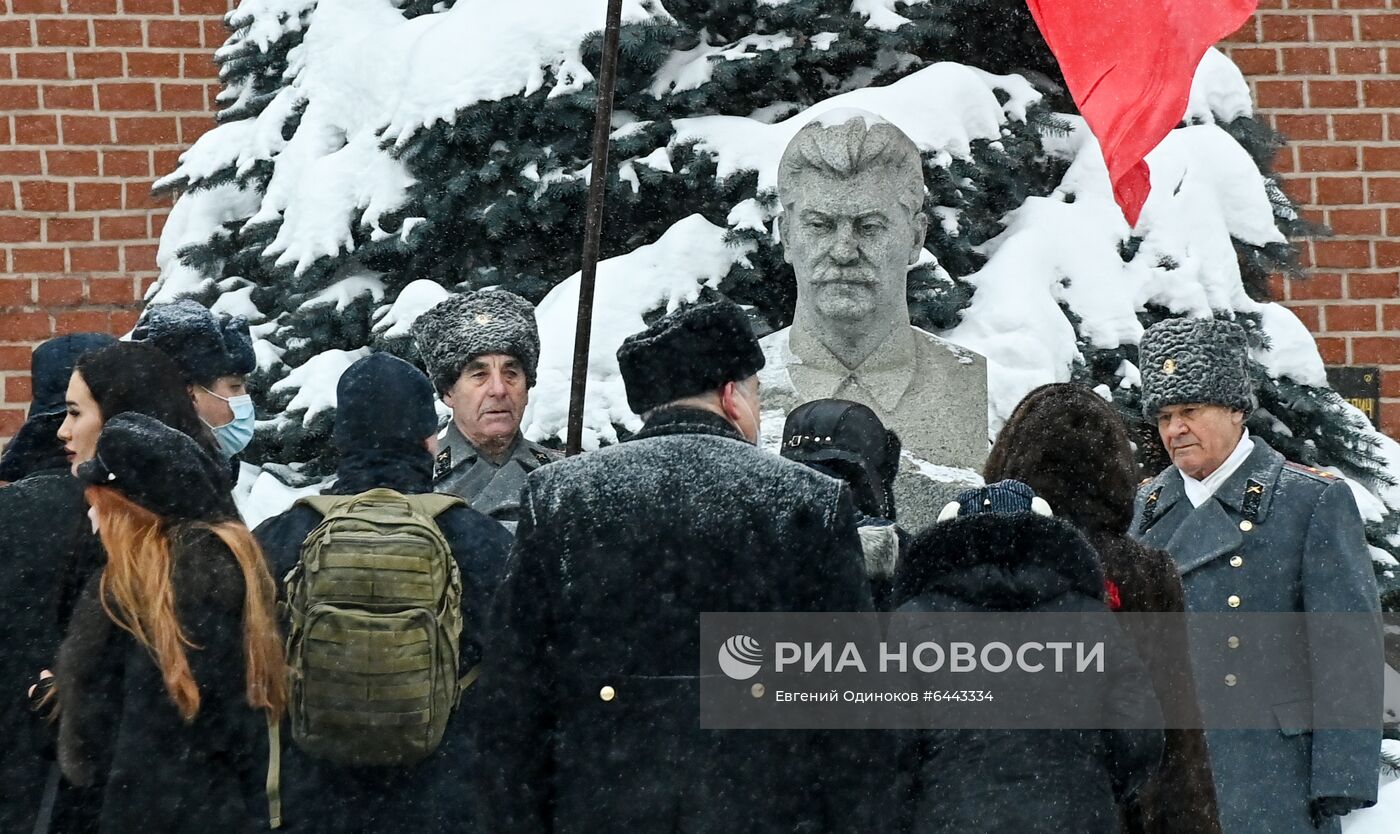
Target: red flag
{"points": [[1129, 65]]}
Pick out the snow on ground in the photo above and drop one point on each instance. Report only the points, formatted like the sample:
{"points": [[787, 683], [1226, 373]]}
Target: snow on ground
{"points": [[1380, 818]]}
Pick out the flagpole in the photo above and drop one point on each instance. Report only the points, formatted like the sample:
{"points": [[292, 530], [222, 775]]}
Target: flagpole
{"points": [[593, 225]]}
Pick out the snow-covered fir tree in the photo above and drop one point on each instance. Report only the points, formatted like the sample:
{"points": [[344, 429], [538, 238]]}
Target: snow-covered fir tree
{"points": [[374, 156]]}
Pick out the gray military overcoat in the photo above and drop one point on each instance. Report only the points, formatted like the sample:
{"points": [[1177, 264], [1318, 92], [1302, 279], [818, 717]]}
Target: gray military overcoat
{"points": [[489, 488], [1276, 537]]}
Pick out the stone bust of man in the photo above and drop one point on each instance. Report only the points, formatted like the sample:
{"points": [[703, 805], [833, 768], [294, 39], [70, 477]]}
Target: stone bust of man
{"points": [[852, 190]]}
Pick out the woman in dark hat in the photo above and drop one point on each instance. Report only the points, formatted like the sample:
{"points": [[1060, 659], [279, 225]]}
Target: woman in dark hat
{"points": [[172, 667], [1067, 443], [847, 441]]}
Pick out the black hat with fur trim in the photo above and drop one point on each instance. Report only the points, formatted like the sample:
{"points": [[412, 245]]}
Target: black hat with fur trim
{"points": [[688, 352], [160, 468]]}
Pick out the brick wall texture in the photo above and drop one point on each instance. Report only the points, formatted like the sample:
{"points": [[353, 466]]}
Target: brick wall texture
{"points": [[99, 97]]}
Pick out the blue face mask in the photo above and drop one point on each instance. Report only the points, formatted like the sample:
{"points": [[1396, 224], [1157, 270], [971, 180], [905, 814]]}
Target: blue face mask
{"points": [[235, 435]]}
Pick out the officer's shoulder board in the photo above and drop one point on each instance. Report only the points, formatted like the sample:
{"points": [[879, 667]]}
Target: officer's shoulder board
{"points": [[544, 455], [1309, 472], [442, 464]]}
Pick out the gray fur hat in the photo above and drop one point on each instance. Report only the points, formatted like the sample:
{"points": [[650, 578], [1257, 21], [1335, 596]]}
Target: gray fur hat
{"points": [[462, 327], [1185, 360]]}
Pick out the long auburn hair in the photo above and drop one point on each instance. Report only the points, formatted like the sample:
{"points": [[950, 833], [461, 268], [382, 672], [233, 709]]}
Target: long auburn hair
{"points": [[139, 596]]}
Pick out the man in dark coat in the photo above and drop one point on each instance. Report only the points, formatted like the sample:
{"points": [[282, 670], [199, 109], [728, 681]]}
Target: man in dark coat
{"points": [[590, 716], [44, 520], [1252, 532], [391, 448]]}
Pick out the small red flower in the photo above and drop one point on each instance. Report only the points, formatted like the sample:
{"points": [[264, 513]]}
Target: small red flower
{"points": [[1111, 591]]}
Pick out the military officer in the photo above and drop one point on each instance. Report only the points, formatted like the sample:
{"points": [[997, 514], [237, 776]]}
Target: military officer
{"points": [[1252, 532], [481, 350]]}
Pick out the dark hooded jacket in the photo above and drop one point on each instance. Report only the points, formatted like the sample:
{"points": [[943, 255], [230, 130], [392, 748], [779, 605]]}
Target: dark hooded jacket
{"points": [[617, 555], [436, 793], [44, 535], [1035, 781], [1067, 444]]}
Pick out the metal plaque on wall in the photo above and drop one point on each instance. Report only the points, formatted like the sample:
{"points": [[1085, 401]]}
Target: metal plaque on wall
{"points": [[1361, 387]]}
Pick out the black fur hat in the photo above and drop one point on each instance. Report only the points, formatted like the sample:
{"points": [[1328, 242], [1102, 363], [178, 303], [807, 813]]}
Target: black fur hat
{"points": [[690, 351], [1186, 360], [206, 346], [161, 469]]}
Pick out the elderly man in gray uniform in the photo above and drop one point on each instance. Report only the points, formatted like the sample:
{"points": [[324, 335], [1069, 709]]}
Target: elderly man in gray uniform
{"points": [[481, 349], [1252, 532]]}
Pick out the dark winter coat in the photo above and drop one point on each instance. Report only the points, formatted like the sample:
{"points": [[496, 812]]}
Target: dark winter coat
{"points": [[617, 554], [1068, 445], [1277, 537], [1021, 780], [119, 726], [434, 795], [46, 546]]}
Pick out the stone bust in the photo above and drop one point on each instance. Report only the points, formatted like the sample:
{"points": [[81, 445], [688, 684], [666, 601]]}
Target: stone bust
{"points": [[852, 191]]}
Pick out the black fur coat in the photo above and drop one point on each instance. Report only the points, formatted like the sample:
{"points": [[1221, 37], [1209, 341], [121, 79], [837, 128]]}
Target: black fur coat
{"points": [[118, 726]]}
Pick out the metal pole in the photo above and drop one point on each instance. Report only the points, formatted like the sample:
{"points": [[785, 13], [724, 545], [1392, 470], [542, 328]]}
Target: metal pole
{"points": [[593, 225]]}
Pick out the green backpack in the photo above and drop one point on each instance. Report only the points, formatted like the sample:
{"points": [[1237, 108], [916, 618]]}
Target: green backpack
{"points": [[376, 621]]}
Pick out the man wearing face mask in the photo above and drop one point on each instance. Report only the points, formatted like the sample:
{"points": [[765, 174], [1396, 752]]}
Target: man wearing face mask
{"points": [[216, 354], [481, 349]]}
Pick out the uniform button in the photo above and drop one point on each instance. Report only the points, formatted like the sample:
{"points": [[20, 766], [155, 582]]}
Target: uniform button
{"points": [[607, 693], [1236, 561], [1233, 642], [1233, 601], [1231, 680], [1246, 525]]}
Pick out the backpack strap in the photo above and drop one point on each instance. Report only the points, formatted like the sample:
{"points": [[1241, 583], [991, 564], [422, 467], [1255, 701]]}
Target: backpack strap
{"points": [[433, 504], [469, 678], [430, 504], [274, 771]]}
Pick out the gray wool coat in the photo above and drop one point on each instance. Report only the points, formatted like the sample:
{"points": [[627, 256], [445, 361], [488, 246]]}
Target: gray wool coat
{"points": [[1276, 537]]}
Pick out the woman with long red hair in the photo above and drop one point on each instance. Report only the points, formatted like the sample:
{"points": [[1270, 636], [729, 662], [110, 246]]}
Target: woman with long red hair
{"points": [[173, 668]]}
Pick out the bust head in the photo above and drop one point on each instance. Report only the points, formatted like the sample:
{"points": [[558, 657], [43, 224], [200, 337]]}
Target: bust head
{"points": [[852, 190]]}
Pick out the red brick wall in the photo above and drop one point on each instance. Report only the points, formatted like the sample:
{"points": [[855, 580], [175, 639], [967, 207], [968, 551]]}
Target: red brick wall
{"points": [[1326, 73], [97, 99]]}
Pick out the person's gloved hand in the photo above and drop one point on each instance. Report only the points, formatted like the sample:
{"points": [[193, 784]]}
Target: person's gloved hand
{"points": [[1324, 808]]}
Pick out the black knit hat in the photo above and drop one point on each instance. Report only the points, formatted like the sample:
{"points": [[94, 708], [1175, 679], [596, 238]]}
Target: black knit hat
{"points": [[847, 440], [460, 328], [382, 401], [161, 469], [690, 351], [1001, 498], [205, 346], [1185, 360]]}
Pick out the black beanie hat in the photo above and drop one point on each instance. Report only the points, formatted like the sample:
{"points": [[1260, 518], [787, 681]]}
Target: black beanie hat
{"points": [[848, 440], [160, 468], [51, 366], [205, 346], [382, 400], [690, 351]]}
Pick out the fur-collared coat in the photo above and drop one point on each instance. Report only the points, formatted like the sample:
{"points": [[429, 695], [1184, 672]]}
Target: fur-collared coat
{"points": [[119, 727], [1067, 444], [1022, 780]]}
